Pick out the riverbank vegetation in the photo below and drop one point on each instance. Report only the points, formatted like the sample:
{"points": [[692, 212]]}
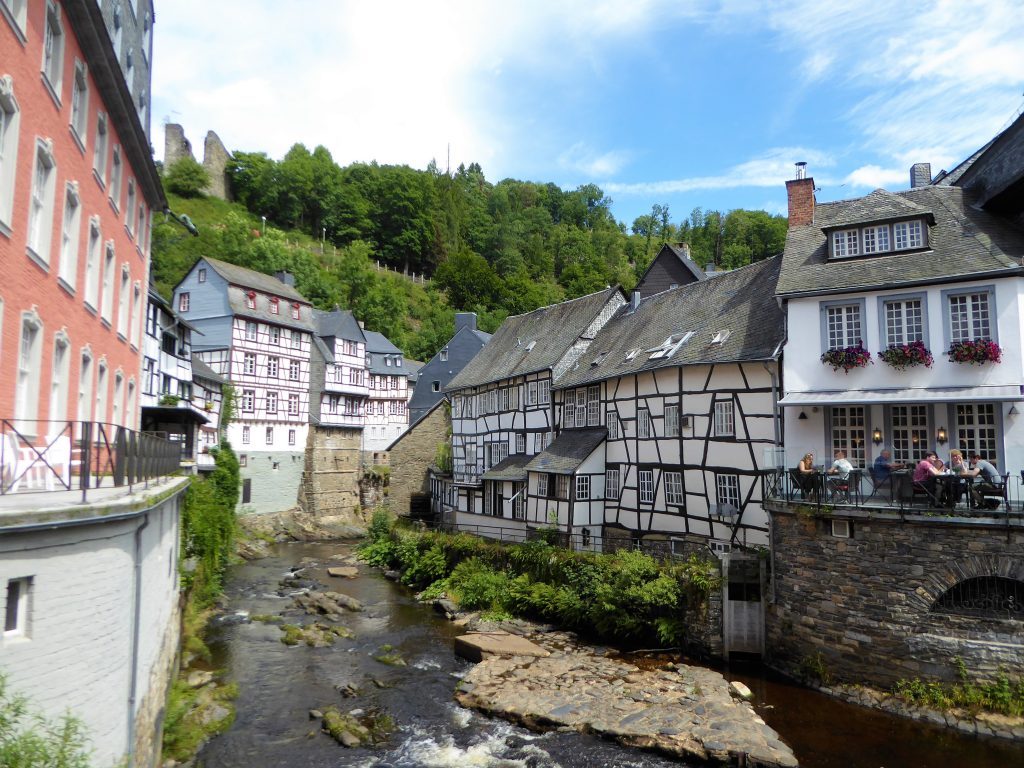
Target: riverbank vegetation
{"points": [[627, 597], [28, 740], [1005, 696]]}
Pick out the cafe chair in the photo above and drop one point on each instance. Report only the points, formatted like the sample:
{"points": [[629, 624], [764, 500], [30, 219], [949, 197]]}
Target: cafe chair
{"points": [[881, 486]]}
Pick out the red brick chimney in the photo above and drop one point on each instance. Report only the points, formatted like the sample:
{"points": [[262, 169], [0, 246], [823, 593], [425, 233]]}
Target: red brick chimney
{"points": [[800, 195]]}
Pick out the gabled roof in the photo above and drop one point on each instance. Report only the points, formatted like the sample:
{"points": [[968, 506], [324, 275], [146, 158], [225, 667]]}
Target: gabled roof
{"points": [[880, 205], [379, 346], [250, 278], [964, 243], [568, 451], [202, 371], [682, 255], [338, 323], [378, 342], [740, 302], [534, 341]]}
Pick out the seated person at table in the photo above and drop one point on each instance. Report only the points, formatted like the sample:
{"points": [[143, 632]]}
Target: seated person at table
{"points": [[807, 474], [841, 466], [988, 478], [926, 471], [958, 466], [883, 467]]}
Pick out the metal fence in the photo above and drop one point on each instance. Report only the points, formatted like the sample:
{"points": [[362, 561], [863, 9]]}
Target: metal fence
{"points": [[41, 456]]}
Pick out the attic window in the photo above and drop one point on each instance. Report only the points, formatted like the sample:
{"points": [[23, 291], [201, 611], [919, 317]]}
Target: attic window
{"points": [[444, 355], [877, 239], [633, 353], [274, 305], [295, 310], [669, 346], [599, 359], [721, 337], [250, 299], [531, 345]]}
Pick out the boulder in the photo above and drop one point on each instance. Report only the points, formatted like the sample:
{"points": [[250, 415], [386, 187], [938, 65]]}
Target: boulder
{"points": [[478, 646], [344, 571]]}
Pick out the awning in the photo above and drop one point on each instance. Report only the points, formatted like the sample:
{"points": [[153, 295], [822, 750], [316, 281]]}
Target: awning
{"points": [[511, 468], [568, 451], [998, 393]]}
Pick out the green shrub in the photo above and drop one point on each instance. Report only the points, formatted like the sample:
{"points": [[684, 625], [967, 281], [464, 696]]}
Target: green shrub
{"points": [[475, 585], [186, 178], [27, 740]]}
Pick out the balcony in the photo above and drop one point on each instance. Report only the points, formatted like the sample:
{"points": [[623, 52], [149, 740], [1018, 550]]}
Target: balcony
{"points": [[953, 497], [83, 458]]}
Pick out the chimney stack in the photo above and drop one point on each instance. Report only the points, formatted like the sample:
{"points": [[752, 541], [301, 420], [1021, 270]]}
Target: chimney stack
{"points": [[465, 320], [920, 175], [634, 302], [800, 195], [286, 277]]}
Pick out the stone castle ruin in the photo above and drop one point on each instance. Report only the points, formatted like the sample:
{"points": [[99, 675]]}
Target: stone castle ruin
{"points": [[215, 158]]}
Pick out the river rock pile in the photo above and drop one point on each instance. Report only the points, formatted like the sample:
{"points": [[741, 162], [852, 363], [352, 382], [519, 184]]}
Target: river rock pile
{"points": [[682, 711]]}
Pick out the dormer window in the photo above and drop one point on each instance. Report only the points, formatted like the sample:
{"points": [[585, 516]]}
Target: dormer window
{"points": [[295, 310], [444, 355], [274, 306], [876, 239], [250, 299]]}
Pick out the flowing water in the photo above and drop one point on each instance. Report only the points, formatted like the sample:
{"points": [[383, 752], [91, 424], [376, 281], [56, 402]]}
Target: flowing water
{"points": [[280, 684]]}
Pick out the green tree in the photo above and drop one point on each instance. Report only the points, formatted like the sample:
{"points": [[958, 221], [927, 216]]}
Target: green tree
{"points": [[468, 280], [186, 178]]}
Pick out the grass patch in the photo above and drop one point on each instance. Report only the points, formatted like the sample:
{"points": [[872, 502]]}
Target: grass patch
{"points": [[1004, 696]]}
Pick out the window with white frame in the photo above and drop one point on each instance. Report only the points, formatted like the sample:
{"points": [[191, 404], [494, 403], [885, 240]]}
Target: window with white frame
{"points": [[109, 268], [85, 385], [673, 487], [270, 436], [249, 364], [124, 301], [141, 230], [611, 484], [562, 487], [727, 491], [291, 437], [30, 353], [53, 48], [275, 335], [15, 10], [80, 101], [295, 313], [977, 430], [611, 420], [443, 355], [10, 120], [272, 367], [246, 435], [671, 421], [275, 305], [102, 387], [725, 424], [876, 239], [583, 488], [201, 275], [293, 404], [129, 411], [970, 316], [294, 370], [40, 216], [70, 231], [843, 325], [60, 375], [909, 432], [581, 407], [520, 442], [593, 406], [117, 31], [908, 234], [646, 477], [250, 330], [296, 339], [99, 149], [248, 400], [904, 321], [118, 411], [542, 485], [17, 614], [544, 391], [845, 243], [115, 179], [643, 423], [129, 208], [848, 432]]}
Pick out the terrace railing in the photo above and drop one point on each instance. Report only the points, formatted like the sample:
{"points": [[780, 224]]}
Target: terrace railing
{"points": [[40, 456]]}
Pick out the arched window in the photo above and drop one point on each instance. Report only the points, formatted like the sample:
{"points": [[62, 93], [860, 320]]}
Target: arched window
{"points": [[994, 597]]}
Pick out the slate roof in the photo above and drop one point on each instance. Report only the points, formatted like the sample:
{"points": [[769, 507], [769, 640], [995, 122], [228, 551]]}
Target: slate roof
{"points": [[413, 367], [964, 243], [338, 323], [511, 468], [250, 278], [684, 259], [740, 301], [378, 345], [203, 371], [567, 451], [554, 329], [325, 351]]}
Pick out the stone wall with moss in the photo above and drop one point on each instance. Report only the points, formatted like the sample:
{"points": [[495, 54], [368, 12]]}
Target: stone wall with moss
{"points": [[863, 609], [412, 456]]}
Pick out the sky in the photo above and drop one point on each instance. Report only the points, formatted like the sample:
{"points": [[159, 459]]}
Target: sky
{"points": [[683, 103]]}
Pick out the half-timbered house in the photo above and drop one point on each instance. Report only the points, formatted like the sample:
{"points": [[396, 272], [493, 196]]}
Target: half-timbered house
{"points": [[502, 412], [683, 384]]}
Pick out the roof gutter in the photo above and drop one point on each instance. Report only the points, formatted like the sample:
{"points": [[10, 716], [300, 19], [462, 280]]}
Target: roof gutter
{"points": [[1014, 271]]}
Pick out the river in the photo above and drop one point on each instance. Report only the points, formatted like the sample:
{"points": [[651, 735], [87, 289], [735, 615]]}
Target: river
{"points": [[280, 684]]}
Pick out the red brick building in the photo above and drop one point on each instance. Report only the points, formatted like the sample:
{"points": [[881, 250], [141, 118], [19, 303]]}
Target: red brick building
{"points": [[78, 188]]}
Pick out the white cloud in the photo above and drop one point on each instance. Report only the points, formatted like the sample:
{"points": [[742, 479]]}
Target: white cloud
{"points": [[581, 158], [873, 177]]}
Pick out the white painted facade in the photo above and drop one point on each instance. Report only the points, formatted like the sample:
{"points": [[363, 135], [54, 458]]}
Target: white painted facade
{"points": [[387, 408], [98, 626], [346, 386]]}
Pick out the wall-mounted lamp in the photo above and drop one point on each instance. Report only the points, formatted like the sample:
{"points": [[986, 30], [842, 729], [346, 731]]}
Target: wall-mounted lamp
{"points": [[940, 436], [876, 436], [802, 416], [1013, 411]]}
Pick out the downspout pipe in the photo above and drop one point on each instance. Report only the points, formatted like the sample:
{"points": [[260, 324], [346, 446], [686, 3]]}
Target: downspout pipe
{"points": [[136, 635]]}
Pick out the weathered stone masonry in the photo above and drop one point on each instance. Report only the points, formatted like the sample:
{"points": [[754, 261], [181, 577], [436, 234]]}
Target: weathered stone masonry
{"points": [[865, 603]]}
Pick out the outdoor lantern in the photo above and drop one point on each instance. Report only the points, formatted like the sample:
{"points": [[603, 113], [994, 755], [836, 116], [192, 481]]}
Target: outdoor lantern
{"points": [[941, 436], [876, 436]]}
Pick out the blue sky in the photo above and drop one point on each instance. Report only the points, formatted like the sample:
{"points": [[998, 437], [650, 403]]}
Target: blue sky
{"points": [[680, 103]]}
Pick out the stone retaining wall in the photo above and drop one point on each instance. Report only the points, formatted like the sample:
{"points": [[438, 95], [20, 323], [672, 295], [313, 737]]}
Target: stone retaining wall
{"points": [[330, 478], [859, 609]]}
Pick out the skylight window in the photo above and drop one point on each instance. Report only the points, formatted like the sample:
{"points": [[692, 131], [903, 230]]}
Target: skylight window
{"points": [[531, 345], [633, 353], [721, 337], [600, 358], [669, 346]]}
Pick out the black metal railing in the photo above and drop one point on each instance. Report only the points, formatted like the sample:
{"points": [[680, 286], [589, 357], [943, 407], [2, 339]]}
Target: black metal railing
{"points": [[40, 456], [950, 495]]}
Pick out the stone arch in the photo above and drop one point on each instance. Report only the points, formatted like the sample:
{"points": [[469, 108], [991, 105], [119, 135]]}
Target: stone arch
{"points": [[948, 575]]}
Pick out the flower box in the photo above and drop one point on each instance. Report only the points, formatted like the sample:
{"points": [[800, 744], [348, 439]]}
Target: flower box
{"points": [[975, 352], [847, 358], [903, 356]]}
